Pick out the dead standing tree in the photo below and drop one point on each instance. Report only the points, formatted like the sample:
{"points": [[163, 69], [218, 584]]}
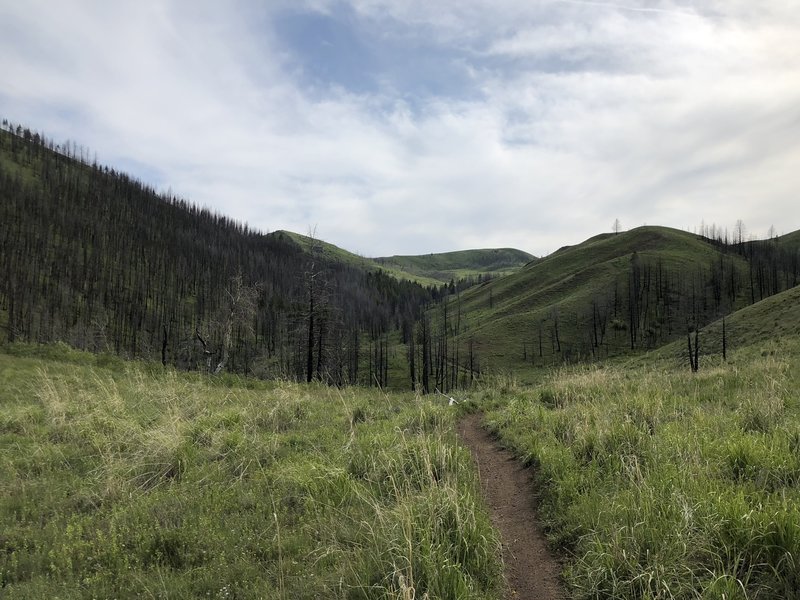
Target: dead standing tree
{"points": [[317, 305], [206, 351], [238, 312], [694, 351]]}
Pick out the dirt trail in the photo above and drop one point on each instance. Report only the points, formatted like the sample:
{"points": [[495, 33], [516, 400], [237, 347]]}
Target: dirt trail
{"points": [[530, 570]]}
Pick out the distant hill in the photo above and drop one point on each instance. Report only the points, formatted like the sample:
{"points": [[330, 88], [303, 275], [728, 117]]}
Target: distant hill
{"points": [[334, 253], [425, 269], [446, 266]]}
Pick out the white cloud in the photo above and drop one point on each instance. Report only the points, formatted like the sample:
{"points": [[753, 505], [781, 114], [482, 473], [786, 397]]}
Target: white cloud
{"points": [[578, 113]]}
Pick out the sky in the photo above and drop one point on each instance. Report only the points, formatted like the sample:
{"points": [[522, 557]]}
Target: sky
{"points": [[412, 126]]}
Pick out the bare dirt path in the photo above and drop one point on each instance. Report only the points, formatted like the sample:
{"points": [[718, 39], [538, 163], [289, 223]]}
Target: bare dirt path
{"points": [[531, 572]]}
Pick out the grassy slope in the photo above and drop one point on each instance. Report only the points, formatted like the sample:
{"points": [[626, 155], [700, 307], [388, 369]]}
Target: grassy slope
{"points": [[769, 321], [660, 483], [126, 480], [15, 168], [504, 314], [790, 240], [460, 264]]}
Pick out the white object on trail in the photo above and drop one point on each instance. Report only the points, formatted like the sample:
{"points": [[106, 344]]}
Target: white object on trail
{"points": [[450, 398]]}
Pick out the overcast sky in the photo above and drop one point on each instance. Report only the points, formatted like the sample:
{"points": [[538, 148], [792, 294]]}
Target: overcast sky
{"points": [[414, 126]]}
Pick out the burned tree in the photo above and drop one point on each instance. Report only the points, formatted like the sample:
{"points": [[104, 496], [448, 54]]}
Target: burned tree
{"points": [[238, 312]]}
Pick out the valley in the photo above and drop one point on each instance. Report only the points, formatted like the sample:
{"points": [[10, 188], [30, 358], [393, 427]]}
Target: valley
{"points": [[192, 408]]}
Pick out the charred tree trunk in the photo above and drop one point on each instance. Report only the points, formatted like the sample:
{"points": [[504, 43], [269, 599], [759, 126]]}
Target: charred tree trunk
{"points": [[164, 348]]}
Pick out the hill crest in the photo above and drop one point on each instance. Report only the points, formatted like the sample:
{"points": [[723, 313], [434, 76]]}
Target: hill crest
{"points": [[427, 269]]}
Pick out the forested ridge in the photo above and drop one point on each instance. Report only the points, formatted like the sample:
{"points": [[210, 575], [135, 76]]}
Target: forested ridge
{"points": [[97, 259]]}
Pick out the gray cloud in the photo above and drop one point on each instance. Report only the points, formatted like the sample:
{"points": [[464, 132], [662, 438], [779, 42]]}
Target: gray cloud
{"points": [[551, 119]]}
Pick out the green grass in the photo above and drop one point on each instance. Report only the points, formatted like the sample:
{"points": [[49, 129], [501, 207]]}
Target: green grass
{"points": [[128, 480], [657, 483]]}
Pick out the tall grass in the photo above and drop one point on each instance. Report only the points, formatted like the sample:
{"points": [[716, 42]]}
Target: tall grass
{"points": [[662, 484], [135, 481]]}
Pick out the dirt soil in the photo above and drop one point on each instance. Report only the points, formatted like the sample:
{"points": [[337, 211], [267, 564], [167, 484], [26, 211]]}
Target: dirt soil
{"points": [[531, 572]]}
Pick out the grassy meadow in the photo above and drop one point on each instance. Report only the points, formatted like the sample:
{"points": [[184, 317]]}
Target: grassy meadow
{"points": [[128, 480], [659, 483]]}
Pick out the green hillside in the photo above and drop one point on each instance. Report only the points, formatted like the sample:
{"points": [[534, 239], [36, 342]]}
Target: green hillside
{"points": [[611, 295], [770, 321], [460, 264]]}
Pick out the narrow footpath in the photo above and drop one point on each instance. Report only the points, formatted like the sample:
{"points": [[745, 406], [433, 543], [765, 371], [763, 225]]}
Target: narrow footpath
{"points": [[531, 572]]}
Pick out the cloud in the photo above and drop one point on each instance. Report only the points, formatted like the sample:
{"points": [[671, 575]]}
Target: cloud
{"points": [[469, 125]]}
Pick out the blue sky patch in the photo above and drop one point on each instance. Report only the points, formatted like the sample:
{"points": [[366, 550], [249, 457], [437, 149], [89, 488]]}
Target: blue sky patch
{"points": [[342, 50]]}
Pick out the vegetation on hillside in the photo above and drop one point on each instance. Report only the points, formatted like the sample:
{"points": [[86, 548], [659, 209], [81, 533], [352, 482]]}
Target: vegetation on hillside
{"points": [[103, 262], [790, 240], [609, 296], [98, 260], [125, 479], [771, 320]]}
